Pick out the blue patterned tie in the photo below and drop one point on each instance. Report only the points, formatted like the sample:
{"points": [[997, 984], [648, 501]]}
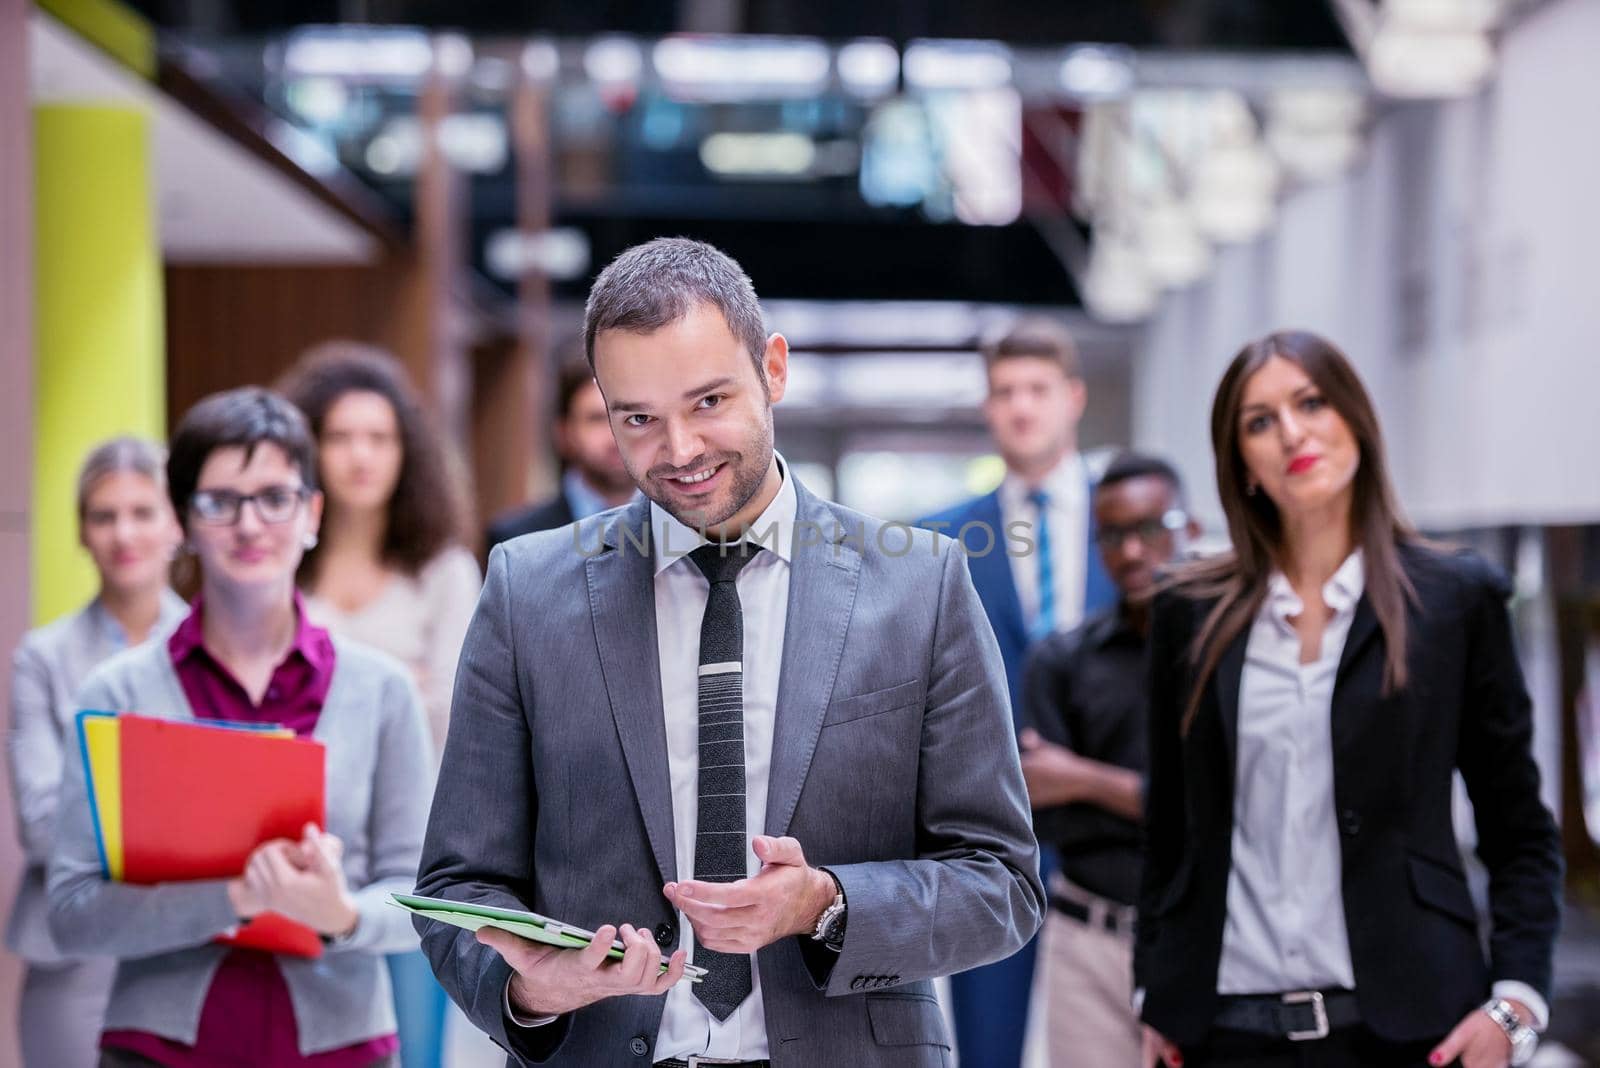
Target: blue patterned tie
{"points": [[1045, 622], [719, 840]]}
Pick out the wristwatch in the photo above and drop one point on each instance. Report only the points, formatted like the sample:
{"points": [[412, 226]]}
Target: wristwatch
{"points": [[830, 925], [1524, 1040]]}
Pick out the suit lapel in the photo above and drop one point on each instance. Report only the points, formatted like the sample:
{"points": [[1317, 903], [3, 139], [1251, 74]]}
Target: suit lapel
{"points": [[621, 582], [1230, 669], [1363, 629], [1355, 693], [1349, 693], [991, 573], [822, 591]]}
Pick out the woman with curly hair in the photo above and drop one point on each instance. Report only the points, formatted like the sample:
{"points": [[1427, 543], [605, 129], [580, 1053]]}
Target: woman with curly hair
{"points": [[389, 570]]}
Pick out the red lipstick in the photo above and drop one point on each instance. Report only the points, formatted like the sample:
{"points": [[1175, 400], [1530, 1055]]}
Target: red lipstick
{"points": [[1301, 464]]}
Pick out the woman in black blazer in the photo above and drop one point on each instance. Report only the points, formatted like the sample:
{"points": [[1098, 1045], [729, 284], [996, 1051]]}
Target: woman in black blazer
{"points": [[1312, 694]]}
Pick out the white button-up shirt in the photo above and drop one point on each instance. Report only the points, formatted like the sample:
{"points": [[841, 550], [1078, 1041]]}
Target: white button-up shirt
{"points": [[1067, 486], [681, 592], [1285, 928]]}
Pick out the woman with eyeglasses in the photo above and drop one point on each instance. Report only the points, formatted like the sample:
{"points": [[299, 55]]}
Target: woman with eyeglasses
{"points": [[126, 525], [1313, 694], [388, 571], [242, 479]]}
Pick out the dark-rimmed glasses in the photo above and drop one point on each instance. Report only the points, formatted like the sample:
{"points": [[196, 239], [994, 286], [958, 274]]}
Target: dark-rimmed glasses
{"points": [[221, 508], [1149, 531]]}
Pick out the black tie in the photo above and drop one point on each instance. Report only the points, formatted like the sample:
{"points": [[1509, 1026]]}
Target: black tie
{"points": [[719, 841]]}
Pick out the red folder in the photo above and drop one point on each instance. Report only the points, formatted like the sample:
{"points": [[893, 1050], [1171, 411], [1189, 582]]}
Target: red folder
{"points": [[198, 798]]}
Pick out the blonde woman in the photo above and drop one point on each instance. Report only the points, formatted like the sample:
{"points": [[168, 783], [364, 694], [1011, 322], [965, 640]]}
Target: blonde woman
{"points": [[126, 525]]}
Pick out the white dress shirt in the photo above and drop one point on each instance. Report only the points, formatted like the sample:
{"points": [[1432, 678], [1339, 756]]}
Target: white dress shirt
{"points": [[1067, 486], [680, 594], [1285, 927]]}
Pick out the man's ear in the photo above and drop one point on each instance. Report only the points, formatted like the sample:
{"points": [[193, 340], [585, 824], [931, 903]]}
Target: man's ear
{"points": [[775, 362], [1077, 398]]}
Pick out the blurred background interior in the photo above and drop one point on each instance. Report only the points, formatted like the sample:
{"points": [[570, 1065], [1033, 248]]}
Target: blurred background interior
{"points": [[192, 192]]}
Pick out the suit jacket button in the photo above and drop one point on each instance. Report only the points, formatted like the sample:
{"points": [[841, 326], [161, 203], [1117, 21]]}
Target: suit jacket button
{"points": [[1350, 822], [638, 1047], [666, 935]]}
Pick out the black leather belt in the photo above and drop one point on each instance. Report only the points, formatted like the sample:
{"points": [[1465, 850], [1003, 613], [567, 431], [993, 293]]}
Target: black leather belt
{"points": [[1108, 920], [1299, 1016], [708, 1062]]}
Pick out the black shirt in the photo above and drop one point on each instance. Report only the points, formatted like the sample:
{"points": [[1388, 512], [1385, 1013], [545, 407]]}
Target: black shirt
{"points": [[1086, 689]]}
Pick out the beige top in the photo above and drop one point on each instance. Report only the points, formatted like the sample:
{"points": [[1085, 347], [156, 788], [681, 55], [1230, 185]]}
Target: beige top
{"points": [[421, 621]]}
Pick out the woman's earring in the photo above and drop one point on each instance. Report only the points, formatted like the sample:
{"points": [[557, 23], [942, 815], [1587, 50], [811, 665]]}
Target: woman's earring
{"points": [[309, 542], [1251, 487]]}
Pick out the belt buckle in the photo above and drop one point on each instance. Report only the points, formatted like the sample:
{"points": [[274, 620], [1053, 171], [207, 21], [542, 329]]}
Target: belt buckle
{"points": [[1319, 1013], [695, 1060]]}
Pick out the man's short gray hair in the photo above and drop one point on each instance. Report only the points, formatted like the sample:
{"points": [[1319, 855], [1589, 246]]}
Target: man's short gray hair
{"points": [[659, 282]]}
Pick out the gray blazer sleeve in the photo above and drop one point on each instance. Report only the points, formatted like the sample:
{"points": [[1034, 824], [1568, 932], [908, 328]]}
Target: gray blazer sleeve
{"points": [[401, 786], [477, 845], [34, 751], [91, 915], [978, 867]]}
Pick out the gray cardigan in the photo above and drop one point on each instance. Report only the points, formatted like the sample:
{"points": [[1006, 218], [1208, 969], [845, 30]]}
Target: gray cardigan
{"points": [[380, 782], [48, 667]]}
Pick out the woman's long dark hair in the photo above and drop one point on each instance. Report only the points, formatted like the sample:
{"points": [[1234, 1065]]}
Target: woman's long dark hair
{"points": [[424, 512], [1238, 578]]}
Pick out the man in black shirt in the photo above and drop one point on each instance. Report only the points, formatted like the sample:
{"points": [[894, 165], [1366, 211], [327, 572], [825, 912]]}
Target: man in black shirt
{"points": [[1083, 695]]}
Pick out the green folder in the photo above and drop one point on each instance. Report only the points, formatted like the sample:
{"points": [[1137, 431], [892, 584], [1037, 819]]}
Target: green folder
{"points": [[529, 925]]}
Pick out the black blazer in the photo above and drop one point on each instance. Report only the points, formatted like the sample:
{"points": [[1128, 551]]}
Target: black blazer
{"points": [[1414, 940], [546, 515]]}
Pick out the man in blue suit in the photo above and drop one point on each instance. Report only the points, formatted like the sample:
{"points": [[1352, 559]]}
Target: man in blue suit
{"points": [[1031, 552]]}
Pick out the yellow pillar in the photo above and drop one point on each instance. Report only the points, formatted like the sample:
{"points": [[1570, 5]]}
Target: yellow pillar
{"points": [[100, 367]]}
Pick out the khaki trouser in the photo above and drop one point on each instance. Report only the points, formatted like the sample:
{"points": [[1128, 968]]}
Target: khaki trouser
{"points": [[1088, 974]]}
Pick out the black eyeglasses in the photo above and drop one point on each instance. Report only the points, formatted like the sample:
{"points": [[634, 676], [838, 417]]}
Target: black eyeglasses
{"points": [[1149, 531], [275, 504]]}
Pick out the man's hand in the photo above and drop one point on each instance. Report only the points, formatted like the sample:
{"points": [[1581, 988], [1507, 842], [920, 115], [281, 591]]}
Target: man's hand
{"points": [[1055, 774], [551, 981], [304, 881], [785, 898], [1478, 1041]]}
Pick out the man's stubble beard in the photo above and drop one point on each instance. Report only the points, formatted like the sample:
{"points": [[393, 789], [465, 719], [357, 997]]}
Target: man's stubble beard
{"points": [[747, 479]]}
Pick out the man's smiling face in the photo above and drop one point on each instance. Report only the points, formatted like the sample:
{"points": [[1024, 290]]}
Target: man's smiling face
{"points": [[692, 416]]}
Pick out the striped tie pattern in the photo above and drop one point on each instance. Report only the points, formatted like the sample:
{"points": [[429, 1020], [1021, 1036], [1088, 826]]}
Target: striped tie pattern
{"points": [[719, 841], [1045, 622]]}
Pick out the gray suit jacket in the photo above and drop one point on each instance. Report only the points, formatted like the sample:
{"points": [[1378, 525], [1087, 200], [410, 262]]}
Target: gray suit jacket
{"points": [[891, 765]]}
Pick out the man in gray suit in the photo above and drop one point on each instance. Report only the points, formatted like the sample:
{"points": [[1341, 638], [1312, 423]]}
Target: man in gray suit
{"points": [[754, 724]]}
